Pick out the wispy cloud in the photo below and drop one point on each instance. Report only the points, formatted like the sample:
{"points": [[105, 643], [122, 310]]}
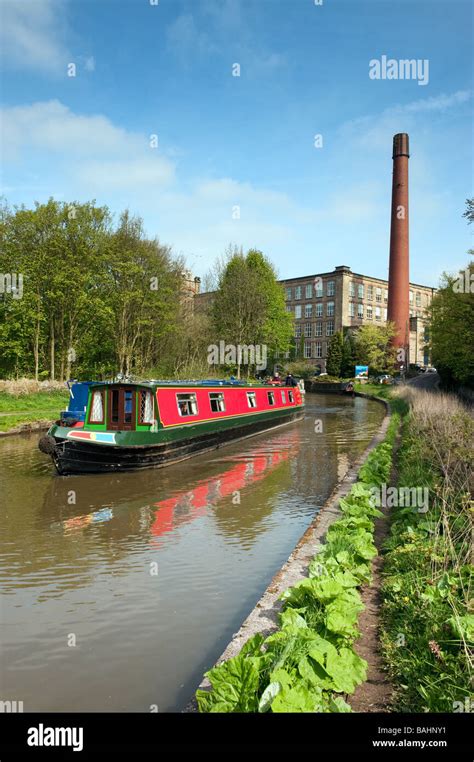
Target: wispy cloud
{"points": [[375, 130], [435, 103], [90, 150], [32, 35], [216, 27], [185, 39]]}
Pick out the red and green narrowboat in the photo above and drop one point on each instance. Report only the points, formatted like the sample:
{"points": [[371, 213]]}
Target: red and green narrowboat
{"points": [[131, 426]]}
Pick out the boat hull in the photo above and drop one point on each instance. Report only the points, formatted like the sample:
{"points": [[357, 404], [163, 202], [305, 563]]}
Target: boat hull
{"points": [[73, 456]]}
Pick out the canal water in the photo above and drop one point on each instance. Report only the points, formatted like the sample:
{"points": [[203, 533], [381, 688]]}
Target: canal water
{"points": [[118, 592]]}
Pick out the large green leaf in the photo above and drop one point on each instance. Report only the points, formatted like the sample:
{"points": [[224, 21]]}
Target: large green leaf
{"points": [[341, 617], [346, 668], [234, 687], [300, 698]]}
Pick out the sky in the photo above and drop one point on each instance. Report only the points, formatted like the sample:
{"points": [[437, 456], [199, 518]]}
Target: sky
{"points": [[256, 123]]}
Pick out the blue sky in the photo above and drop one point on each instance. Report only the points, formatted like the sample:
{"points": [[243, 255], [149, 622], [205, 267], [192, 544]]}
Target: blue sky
{"points": [[224, 141]]}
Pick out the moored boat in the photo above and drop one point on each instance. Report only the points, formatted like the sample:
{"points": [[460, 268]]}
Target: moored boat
{"points": [[131, 426]]}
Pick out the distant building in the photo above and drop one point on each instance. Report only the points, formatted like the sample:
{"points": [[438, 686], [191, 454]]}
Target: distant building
{"points": [[190, 286], [341, 300]]}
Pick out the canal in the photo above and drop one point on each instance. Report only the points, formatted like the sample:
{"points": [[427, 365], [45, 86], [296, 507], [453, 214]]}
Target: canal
{"points": [[118, 592]]}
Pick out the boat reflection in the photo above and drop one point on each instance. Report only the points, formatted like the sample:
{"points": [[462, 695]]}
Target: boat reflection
{"points": [[189, 505], [108, 499]]}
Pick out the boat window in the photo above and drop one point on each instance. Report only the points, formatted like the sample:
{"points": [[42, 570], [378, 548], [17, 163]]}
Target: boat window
{"points": [[217, 402], [290, 396], [271, 398], [128, 406], [187, 404], [97, 407], [252, 399], [283, 397], [146, 406], [115, 406]]}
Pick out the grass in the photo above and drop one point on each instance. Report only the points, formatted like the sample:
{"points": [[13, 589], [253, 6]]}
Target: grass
{"points": [[391, 394], [428, 632], [29, 408]]}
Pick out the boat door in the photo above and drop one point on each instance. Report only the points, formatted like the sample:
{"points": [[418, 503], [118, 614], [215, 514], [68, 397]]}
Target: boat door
{"points": [[121, 409]]}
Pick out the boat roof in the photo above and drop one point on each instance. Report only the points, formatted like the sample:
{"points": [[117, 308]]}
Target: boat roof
{"points": [[182, 383]]}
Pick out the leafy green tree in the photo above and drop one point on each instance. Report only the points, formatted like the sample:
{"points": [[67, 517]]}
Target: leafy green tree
{"points": [[249, 305], [374, 347], [303, 368], [95, 299], [451, 336], [56, 247], [334, 358], [349, 355], [141, 287]]}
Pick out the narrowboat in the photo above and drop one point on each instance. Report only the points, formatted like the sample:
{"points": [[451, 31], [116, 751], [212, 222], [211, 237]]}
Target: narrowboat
{"points": [[139, 425]]}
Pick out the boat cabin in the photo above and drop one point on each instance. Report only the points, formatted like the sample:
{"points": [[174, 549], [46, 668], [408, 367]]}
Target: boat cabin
{"points": [[150, 406]]}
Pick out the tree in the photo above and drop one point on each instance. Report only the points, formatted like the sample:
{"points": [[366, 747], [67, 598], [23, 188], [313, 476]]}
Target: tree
{"points": [[451, 316], [303, 368], [249, 306], [349, 355], [96, 300], [334, 358], [469, 212], [451, 319], [374, 347]]}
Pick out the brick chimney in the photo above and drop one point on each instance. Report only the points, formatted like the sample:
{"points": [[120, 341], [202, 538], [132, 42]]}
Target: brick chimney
{"points": [[398, 310]]}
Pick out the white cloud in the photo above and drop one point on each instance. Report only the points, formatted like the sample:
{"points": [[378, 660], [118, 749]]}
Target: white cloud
{"points": [[217, 27], [32, 35], [89, 150], [436, 103], [50, 125], [132, 174], [375, 131]]}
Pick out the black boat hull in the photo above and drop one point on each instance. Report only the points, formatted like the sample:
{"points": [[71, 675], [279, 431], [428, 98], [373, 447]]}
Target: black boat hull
{"points": [[80, 457]]}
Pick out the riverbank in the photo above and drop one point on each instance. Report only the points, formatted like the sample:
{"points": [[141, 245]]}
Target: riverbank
{"points": [[243, 679], [27, 411]]}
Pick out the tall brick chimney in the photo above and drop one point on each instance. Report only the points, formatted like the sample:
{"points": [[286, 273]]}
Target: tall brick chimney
{"points": [[398, 310]]}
